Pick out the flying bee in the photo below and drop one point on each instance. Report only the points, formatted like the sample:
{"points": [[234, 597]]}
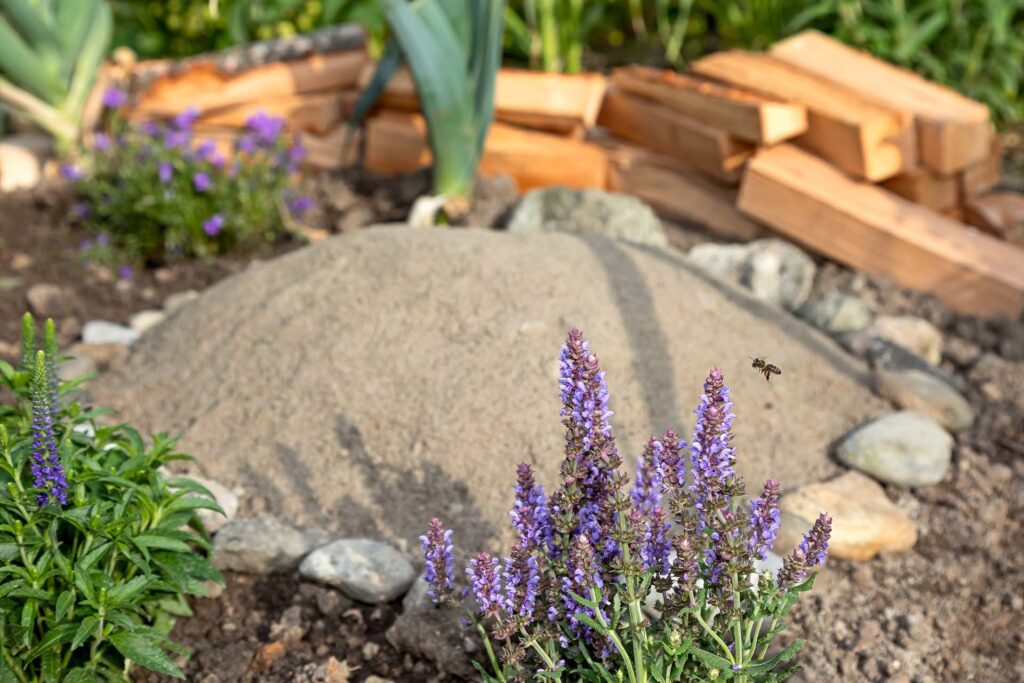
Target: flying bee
{"points": [[765, 368]]}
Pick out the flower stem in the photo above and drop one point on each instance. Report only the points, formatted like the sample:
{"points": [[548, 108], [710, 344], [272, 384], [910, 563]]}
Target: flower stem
{"points": [[490, 653]]}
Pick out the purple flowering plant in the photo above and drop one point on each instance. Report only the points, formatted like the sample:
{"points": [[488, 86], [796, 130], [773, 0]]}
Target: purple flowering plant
{"points": [[96, 561], [663, 580], [160, 190]]}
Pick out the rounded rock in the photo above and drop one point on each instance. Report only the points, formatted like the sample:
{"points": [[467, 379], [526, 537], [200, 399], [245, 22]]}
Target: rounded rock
{"points": [[263, 545], [365, 570], [836, 313], [611, 214], [904, 448], [910, 332], [926, 394]]}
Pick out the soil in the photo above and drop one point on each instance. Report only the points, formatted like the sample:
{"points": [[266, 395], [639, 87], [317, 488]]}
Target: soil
{"points": [[948, 610]]}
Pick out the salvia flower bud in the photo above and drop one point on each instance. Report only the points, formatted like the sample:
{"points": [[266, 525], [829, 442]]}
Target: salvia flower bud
{"points": [[646, 493], [485, 583], [439, 571], [764, 520], [811, 552]]}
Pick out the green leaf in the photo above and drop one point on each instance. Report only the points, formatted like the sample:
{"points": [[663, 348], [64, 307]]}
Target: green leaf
{"points": [[145, 652], [86, 629], [772, 662], [57, 635], [82, 676], [126, 592], [148, 541], [64, 604], [712, 661]]}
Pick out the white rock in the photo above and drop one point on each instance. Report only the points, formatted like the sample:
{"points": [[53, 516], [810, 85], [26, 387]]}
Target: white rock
{"points": [[103, 332], [179, 299], [362, 569], [904, 448], [926, 394], [21, 160], [910, 332], [263, 545], [144, 320]]}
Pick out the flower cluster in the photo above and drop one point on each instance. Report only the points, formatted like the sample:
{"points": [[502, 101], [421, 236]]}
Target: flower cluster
{"points": [[587, 557], [161, 190]]}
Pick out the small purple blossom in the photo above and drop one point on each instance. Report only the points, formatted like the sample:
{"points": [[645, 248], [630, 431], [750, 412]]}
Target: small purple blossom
{"points": [[646, 493], [114, 98], [47, 471], [201, 181], [485, 583], [529, 511], [80, 210], [206, 149], [71, 172], [764, 520], [656, 544], [267, 128], [101, 142], [712, 455], [177, 139], [439, 571], [149, 129], [300, 205], [296, 153], [85, 245], [522, 582], [213, 225], [164, 171], [246, 143], [126, 272], [185, 120], [812, 552], [102, 240]]}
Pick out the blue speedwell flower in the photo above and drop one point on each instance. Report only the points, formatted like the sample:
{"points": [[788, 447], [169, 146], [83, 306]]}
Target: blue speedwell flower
{"points": [[47, 471]]}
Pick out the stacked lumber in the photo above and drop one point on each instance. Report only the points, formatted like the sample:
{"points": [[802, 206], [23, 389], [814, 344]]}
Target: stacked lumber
{"points": [[311, 82]]}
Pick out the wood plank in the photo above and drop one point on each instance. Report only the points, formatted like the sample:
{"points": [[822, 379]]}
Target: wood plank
{"points": [[558, 103], [927, 188], [747, 115], [864, 139], [338, 148], [864, 226], [203, 86], [981, 177], [657, 127], [1000, 214], [676, 191], [953, 131], [396, 142], [317, 113]]}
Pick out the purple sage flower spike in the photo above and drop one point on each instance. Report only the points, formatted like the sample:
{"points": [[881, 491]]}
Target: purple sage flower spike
{"points": [[811, 552], [522, 582], [485, 583], [47, 471], [439, 570], [764, 520], [647, 488], [529, 511], [712, 455]]}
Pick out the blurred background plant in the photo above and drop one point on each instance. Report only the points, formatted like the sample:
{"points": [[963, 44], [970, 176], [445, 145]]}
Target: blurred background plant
{"points": [[180, 28], [154, 193], [50, 52], [453, 50]]}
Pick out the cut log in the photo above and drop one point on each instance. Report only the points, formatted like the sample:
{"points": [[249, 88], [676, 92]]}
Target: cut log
{"points": [[867, 227], [316, 113], [338, 148], [980, 178], [953, 131], [745, 114], [676, 191], [864, 139], [396, 142], [559, 103], [205, 87], [659, 128], [927, 188], [1000, 214]]}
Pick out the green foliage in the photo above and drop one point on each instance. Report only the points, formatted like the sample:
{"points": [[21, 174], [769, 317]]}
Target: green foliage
{"points": [[49, 54], [90, 589], [453, 49], [153, 193], [552, 34], [180, 28]]}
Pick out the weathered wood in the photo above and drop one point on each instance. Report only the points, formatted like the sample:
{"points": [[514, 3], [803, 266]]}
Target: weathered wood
{"points": [[396, 142], [927, 188], [864, 226], [676, 191], [559, 103], [861, 137], [981, 177], [953, 131], [659, 128], [336, 149], [747, 115], [316, 113], [999, 213], [207, 88]]}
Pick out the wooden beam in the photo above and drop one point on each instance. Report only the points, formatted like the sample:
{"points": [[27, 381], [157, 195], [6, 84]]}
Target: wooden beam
{"points": [[1000, 214], [396, 142], [203, 86], [747, 115], [338, 148], [659, 128], [927, 188], [316, 113], [862, 138], [981, 177], [864, 226], [676, 191], [953, 131], [557, 103]]}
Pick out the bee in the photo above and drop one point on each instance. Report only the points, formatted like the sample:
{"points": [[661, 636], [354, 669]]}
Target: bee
{"points": [[765, 368]]}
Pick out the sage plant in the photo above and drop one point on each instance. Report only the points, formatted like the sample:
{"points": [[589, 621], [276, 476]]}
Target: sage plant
{"points": [[568, 601]]}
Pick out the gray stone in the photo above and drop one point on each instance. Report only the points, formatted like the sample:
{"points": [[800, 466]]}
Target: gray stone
{"points": [[773, 270], [416, 595], [76, 366], [912, 333], [104, 332], [926, 394], [339, 397], [145, 320], [435, 634], [102, 356], [264, 545], [904, 448], [836, 312], [610, 214], [180, 299], [362, 569], [21, 160], [46, 300]]}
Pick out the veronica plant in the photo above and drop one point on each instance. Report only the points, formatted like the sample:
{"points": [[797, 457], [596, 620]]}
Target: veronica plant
{"points": [[97, 558], [50, 51], [453, 49], [572, 599], [155, 192]]}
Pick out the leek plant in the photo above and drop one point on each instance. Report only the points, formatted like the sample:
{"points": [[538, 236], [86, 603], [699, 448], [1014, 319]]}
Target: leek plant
{"points": [[453, 50], [50, 51]]}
